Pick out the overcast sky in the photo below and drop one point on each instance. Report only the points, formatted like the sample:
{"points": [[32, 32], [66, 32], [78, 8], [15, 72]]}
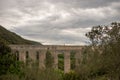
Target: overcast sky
{"points": [[57, 21]]}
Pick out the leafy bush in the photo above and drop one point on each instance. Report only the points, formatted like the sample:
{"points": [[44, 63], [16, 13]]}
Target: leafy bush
{"points": [[70, 76]]}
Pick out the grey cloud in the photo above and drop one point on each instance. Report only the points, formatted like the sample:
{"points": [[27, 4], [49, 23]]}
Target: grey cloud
{"points": [[85, 3], [55, 36], [46, 19]]}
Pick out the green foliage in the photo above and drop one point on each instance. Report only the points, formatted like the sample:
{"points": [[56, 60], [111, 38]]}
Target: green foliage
{"points": [[72, 59], [8, 63], [70, 76], [4, 65], [49, 60], [9, 77], [108, 39], [90, 67], [3, 48], [61, 61], [101, 60], [34, 74], [12, 38], [37, 74]]}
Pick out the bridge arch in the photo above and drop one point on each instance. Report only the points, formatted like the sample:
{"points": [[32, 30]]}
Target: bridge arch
{"points": [[38, 53]]}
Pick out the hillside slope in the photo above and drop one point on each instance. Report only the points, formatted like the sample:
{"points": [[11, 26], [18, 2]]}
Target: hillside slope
{"points": [[13, 38]]}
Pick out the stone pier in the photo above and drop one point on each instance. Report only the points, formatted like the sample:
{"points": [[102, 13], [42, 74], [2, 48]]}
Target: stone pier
{"points": [[42, 57], [66, 61], [55, 57], [32, 55], [22, 56]]}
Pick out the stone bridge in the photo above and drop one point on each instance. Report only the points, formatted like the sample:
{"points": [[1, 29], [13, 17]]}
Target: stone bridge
{"points": [[38, 52]]}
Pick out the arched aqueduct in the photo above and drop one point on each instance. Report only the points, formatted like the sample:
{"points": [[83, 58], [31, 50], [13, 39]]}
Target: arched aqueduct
{"points": [[38, 52]]}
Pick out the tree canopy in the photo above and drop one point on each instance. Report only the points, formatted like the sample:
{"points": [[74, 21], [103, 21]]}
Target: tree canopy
{"points": [[102, 58]]}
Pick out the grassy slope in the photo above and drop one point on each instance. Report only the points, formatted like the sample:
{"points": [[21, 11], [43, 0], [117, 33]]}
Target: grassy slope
{"points": [[12, 38]]}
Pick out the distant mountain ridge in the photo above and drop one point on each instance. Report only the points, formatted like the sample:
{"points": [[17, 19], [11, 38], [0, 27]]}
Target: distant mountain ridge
{"points": [[13, 38]]}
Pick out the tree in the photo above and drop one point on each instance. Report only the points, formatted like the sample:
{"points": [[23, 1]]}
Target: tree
{"points": [[49, 60], [101, 35], [105, 40], [8, 63]]}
